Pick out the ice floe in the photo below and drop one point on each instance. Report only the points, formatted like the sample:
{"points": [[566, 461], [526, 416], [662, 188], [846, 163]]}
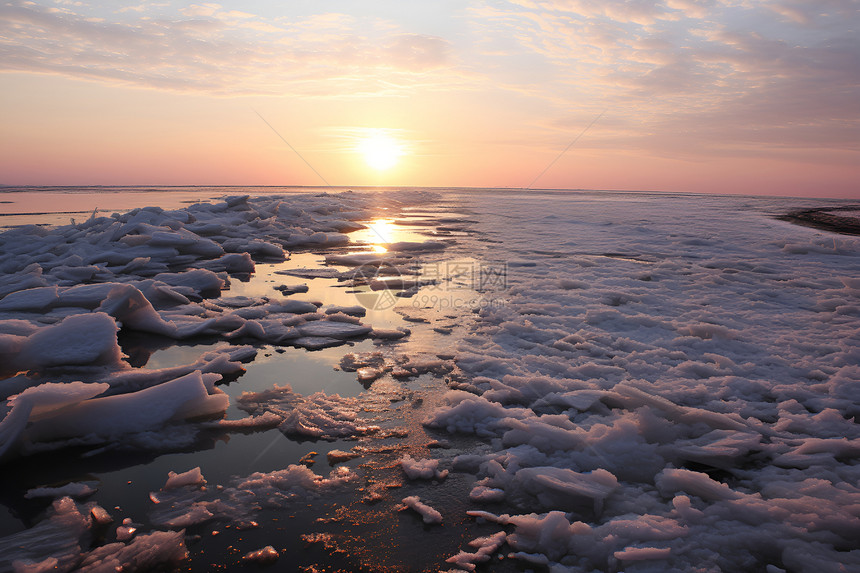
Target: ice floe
{"points": [[318, 415]]}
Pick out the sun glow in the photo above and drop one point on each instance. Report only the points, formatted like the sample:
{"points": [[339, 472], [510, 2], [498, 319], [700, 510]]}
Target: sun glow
{"points": [[379, 233], [381, 151]]}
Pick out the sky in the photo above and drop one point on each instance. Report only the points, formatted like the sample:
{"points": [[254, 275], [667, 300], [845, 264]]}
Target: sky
{"points": [[703, 96]]}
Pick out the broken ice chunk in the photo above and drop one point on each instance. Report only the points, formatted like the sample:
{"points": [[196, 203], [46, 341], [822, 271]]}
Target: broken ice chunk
{"points": [[146, 552], [356, 310], [100, 515], [671, 480], [327, 417], [201, 280], [643, 553], [287, 290], [368, 374], [316, 342], [331, 329], [148, 409], [294, 480], [338, 456], [181, 515], [428, 514], [71, 489], [83, 339], [389, 334], [233, 263], [32, 299], [353, 361], [484, 494], [126, 531], [486, 546], [564, 488], [263, 556], [55, 540], [192, 477], [256, 248]]}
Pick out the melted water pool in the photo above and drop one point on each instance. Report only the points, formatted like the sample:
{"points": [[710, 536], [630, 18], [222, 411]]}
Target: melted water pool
{"points": [[346, 532]]}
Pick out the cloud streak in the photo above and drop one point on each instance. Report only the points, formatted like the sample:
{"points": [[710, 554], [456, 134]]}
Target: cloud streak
{"points": [[216, 51], [695, 75], [682, 80]]}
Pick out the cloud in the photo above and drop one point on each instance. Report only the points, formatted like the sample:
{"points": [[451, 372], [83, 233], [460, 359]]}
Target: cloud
{"points": [[692, 76], [815, 14], [219, 51], [416, 52], [676, 76]]}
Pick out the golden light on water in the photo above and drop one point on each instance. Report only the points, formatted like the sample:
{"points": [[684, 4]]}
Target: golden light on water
{"points": [[380, 233]]}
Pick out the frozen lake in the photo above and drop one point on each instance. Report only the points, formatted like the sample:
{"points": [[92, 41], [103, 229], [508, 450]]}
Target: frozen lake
{"points": [[570, 381]]}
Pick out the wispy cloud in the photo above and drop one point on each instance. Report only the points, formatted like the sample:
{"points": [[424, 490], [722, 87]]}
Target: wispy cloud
{"points": [[679, 79], [692, 75], [219, 51]]}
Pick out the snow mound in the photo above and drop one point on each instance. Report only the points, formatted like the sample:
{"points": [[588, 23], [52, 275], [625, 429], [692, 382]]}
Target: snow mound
{"points": [[429, 515], [422, 469]]}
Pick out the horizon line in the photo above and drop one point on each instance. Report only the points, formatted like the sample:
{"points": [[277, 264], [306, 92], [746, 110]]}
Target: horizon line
{"points": [[5, 188]]}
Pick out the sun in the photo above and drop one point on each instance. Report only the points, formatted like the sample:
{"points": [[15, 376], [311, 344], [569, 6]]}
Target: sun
{"points": [[380, 150]]}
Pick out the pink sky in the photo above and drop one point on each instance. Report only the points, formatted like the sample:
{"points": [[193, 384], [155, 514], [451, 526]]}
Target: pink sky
{"points": [[696, 95]]}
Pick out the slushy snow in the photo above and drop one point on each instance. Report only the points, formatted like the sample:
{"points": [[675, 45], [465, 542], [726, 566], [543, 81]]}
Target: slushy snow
{"points": [[661, 383], [671, 384]]}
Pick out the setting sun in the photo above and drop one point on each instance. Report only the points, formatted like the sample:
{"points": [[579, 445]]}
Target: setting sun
{"points": [[380, 150]]}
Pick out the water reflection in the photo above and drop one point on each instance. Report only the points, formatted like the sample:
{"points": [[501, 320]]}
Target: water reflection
{"points": [[384, 231], [125, 479]]}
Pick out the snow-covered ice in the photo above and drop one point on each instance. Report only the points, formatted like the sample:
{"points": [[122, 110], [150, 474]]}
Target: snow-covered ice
{"points": [[421, 469], [668, 387], [646, 382], [263, 556], [191, 477], [427, 513]]}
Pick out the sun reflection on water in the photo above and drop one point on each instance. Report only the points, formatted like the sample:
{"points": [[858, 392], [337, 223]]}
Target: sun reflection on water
{"points": [[384, 231], [379, 233]]}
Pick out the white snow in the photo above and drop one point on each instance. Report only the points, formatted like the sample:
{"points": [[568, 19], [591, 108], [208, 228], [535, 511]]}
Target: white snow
{"points": [[61, 344], [687, 343], [666, 382], [318, 415], [178, 399], [427, 513], [485, 546], [50, 414], [294, 480], [422, 469]]}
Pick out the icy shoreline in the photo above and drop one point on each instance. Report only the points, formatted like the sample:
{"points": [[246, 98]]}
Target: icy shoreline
{"points": [[664, 397], [842, 219], [67, 291], [647, 396]]}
